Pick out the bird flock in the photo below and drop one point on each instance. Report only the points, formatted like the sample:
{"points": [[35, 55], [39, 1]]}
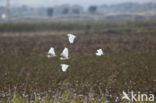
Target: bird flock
{"points": [[65, 53]]}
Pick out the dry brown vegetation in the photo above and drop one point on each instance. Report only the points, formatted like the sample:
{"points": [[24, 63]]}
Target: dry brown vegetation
{"points": [[128, 63]]}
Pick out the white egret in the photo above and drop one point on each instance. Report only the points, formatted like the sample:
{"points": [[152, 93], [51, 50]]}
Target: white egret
{"points": [[64, 67], [64, 54], [71, 38], [99, 52], [51, 52]]}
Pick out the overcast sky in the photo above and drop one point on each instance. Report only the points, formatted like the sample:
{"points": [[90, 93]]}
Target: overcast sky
{"points": [[71, 2]]}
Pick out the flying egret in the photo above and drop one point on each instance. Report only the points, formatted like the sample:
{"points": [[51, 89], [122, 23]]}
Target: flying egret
{"points": [[71, 38], [51, 52], [64, 54], [99, 52], [64, 67]]}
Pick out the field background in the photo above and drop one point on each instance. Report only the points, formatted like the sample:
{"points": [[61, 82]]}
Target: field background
{"points": [[129, 62]]}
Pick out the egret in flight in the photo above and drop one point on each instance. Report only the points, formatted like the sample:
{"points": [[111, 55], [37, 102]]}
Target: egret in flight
{"points": [[51, 52], [64, 67], [64, 54], [71, 38], [99, 52]]}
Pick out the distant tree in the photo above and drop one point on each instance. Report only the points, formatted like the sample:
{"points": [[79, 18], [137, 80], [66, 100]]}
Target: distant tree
{"points": [[92, 9], [50, 11], [24, 8], [65, 11], [75, 10]]}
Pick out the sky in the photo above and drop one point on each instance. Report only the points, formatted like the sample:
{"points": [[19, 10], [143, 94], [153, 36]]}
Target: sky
{"points": [[85, 3]]}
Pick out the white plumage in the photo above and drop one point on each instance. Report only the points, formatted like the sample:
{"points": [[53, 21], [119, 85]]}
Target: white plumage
{"points": [[71, 38], [51, 52], [64, 67], [64, 54], [99, 52]]}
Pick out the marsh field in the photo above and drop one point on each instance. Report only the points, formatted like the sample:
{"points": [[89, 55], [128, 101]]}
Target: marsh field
{"points": [[28, 76]]}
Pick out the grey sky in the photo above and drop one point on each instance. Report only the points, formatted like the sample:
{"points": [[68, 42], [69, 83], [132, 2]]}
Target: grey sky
{"points": [[71, 2]]}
